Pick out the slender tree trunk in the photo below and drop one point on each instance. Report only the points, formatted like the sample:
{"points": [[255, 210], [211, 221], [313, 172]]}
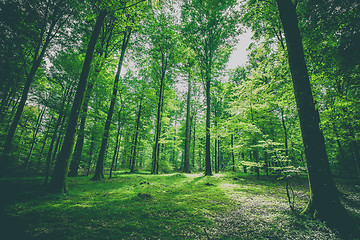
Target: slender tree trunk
{"points": [[285, 133], [114, 159], [194, 143], [59, 122], [232, 152], [207, 130], [219, 155], [59, 177], [37, 128], [91, 152], [187, 130], [324, 200], [99, 174], [156, 150], [132, 168], [74, 165], [216, 155], [243, 158], [44, 144]]}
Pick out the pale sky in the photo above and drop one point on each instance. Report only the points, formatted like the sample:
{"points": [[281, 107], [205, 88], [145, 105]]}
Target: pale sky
{"points": [[239, 55]]}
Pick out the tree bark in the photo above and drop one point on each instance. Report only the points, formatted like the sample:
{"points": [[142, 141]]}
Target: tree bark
{"points": [[100, 162], [114, 159], [187, 129], [74, 166], [37, 128], [324, 200], [132, 169], [156, 150], [59, 177], [207, 131], [232, 152]]}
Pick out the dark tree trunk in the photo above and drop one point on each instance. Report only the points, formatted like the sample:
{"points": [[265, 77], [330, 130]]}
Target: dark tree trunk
{"points": [[114, 159], [324, 200], [99, 174], [243, 158], [59, 177], [74, 166], [285, 133], [156, 150], [59, 122], [207, 131], [194, 143], [187, 129], [216, 155], [43, 145], [91, 152], [132, 168], [37, 128], [232, 152]]}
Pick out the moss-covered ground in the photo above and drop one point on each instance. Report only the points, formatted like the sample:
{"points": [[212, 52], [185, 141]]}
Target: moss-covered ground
{"points": [[173, 206]]}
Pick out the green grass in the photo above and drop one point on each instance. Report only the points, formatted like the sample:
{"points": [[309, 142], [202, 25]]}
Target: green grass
{"points": [[173, 206]]}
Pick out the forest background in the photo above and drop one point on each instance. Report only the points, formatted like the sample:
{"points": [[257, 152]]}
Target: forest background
{"points": [[92, 88]]}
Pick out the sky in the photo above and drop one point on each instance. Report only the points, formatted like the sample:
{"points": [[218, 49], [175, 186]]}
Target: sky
{"points": [[239, 55]]}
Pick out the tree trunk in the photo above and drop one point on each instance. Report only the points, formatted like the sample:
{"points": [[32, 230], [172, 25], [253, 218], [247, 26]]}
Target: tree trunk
{"points": [[44, 144], [59, 177], [114, 160], [285, 133], [194, 138], [37, 128], [100, 162], [132, 168], [74, 166], [232, 152], [156, 150], [207, 131], [187, 129], [324, 200]]}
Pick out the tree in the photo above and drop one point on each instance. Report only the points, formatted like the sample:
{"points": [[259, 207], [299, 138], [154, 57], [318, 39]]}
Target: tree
{"points": [[209, 29], [58, 181], [324, 198], [100, 163]]}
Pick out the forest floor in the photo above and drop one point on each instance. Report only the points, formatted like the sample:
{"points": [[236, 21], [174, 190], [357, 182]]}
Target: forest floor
{"points": [[171, 206]]}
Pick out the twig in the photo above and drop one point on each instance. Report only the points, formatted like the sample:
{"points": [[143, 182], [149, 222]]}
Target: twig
{"points": [[207, 236]]}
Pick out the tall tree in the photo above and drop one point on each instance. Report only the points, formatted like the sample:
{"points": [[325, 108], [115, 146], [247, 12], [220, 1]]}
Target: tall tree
{"points": [[209, 28], [58, 181], [100, 163], [324, 198]]}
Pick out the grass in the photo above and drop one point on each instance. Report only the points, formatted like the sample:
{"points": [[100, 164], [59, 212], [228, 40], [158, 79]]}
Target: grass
{"points": [[172, 206]]}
